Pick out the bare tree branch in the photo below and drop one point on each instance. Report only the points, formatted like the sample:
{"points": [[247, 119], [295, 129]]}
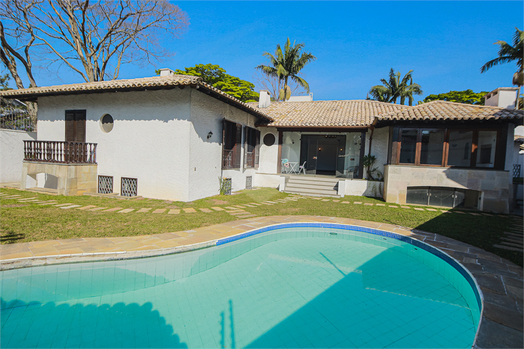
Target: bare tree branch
{"points": [[102, 34]]}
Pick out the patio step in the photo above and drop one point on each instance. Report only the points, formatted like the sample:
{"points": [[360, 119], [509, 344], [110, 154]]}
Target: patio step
{"points": [[312, 186]]}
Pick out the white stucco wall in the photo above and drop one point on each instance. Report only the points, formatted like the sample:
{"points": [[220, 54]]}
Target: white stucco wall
{"points": [[149, 139], [12, 153], [268, 155], [379, 147], [360, 187], [205, 165]]}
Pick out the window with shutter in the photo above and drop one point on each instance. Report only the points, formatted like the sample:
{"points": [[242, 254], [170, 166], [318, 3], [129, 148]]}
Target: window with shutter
{"points": [[231, 144]]}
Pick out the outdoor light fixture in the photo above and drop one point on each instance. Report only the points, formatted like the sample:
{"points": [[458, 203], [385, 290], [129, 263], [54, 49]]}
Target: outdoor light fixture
{"points": [[209, 135]]}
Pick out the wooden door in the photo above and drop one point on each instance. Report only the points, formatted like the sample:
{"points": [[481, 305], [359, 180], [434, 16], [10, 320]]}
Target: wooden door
{"points": [[75, 133]]}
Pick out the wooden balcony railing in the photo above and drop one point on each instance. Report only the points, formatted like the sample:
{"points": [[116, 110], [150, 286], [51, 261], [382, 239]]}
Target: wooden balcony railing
{"points": [[60, 152]]}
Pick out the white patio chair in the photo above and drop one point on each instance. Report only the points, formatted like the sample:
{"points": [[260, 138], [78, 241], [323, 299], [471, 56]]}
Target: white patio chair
{"points": [[302, 168]]}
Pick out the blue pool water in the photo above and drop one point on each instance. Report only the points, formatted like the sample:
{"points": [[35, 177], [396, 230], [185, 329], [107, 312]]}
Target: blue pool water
{"points": [[293, 287]]}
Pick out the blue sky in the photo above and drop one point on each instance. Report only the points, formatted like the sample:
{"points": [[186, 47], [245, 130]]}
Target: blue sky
{"points": [[356, 43]]}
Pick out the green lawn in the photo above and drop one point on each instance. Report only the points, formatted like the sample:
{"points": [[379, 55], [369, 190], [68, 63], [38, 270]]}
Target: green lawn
{"points": [[24, 222]]}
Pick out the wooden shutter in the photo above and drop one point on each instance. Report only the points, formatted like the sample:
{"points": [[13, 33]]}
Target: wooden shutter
{"points": [[246, 136], [75, 126], [238, 145], [257, 148], [224, 127], [80, 120]]}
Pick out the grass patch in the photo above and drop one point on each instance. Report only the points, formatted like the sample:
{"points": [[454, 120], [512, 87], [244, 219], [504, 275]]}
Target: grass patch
{"points": [[27, 221]]}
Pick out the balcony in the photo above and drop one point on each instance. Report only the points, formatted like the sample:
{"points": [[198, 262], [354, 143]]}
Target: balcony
{"points": [[70, 168], [60, 152]]}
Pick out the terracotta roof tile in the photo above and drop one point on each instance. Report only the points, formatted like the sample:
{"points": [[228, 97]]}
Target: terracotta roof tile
{"points": [[156, 82], [327, 113], [443, 110]]}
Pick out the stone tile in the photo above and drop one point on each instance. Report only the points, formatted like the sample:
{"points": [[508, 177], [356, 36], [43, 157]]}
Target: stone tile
{"points": [[86, 207], [383, 205], [189, 210], [492, 282], [61, 205], [113, 209], [431, 209], [68, 207], [357, 203], [97, 208], [494, 335], [231, 208], [509, 281], [336, 200], [174, 211], [48, 203], [392, 206], [504, 316], [236, 213], [368, 204], [217, 208], [418, 209], [142, 210], [127, 210], [325, 200], [345, 202], [16, 255], [474, 214], [206, 210], [239, 206], [246, 216], [160, 210], [460, 212]]}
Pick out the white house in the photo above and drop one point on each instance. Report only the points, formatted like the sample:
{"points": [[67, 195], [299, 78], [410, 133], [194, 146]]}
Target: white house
{"points": [[172, 137]]}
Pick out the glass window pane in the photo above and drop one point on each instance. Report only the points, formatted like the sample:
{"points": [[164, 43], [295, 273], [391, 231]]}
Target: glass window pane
{"points": [[459, 153], [417, 195], [486, 148], [432, 142], [408, 146], [441, 197]]}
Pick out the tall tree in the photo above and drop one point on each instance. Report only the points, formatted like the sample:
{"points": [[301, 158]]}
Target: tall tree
{"points": [[216, 76], [395, 87], [287, 64], [466, 96], [507, 54], [92, 38]]}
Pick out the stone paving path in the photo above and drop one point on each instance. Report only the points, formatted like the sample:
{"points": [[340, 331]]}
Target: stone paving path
{"points": [[240, 212], [514, 237]]}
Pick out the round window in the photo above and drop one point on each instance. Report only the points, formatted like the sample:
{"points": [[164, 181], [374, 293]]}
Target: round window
{"points": [[106, 123], [269, 139]]}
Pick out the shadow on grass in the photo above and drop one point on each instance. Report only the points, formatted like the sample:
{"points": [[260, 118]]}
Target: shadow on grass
{"points": [[11, 237], [475, 229]]}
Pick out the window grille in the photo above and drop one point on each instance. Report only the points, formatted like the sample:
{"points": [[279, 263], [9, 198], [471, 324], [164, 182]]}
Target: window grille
{"points": [[516, 170], [129, 186], [105, 184], [249, 182]]}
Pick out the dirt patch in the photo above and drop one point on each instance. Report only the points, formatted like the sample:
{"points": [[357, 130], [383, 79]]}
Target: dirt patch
{"points": [[14, 205], [219, 202]]}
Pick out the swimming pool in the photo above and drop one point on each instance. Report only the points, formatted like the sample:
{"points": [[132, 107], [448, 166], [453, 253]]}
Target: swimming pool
{"points": [[299, 285]]}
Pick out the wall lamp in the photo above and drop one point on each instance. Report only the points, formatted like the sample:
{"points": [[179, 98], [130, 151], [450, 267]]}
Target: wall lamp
{"points": [[209, 135]]}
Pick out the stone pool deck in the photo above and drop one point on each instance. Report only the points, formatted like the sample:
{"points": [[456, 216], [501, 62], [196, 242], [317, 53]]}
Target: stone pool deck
{"points": [[500, 281]]}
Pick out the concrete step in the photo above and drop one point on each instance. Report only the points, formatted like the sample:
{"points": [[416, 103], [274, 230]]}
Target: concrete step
{"points": [[313, 192], [305, 179], [309, 186]]}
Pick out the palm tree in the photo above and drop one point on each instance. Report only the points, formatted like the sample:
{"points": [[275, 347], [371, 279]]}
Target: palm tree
{"points": [[508, 53], [286, 65], [392, 89]]}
